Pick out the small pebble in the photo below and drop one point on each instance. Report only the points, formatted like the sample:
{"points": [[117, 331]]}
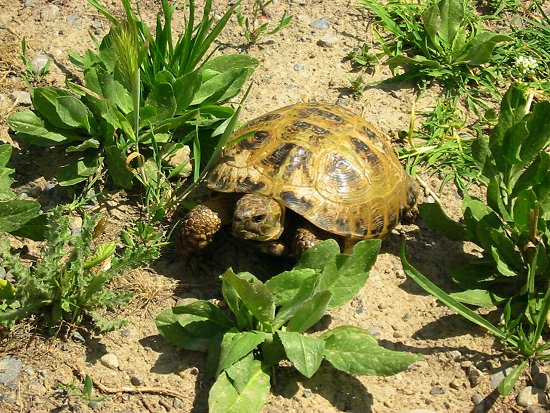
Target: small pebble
{"points": [[455, 385], [136, 381], [397, 334], [94, 404], [531, 396], [110, 360], [373, 331], [539, 378], [22, 97], [38, 63], [320, 24], [536, 409], [328, 41], [307, 393], [49, 12], [454, 354], [78, 337], [437, 390], [177, 403], [73, 18], [125, 332], [29, 3], [299, 2], [299, 66], [474, 376]]}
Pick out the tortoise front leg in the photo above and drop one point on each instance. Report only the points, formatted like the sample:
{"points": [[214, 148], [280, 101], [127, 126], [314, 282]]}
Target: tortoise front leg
{"points": [[200, 225]]}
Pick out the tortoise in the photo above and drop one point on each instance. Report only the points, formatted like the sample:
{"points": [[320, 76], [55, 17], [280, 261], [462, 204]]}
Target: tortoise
{"points": [[300, 174]]}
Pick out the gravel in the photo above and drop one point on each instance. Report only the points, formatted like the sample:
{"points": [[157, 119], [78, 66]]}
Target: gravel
{"points": [[320, 24]]}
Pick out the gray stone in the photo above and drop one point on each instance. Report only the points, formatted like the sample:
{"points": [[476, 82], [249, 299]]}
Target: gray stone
{"points": [[49, 12], [136, 381], [536, 409], [110, 360], [178, 403], [22, 97], [73, 18], [94, 404], [328, 41], [299, 66], [373, 331], [10, 367], [474, 376], [38, 63], [531, 396], [539, 378], [307, 393], [437, 390], [29, 3], [320, 24]]}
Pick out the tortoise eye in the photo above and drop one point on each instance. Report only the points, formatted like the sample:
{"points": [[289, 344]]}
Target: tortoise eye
{"points": [[259, 218]]}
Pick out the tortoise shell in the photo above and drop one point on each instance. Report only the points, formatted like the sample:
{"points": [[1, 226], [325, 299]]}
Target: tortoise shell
{"points": [[323, 162]]}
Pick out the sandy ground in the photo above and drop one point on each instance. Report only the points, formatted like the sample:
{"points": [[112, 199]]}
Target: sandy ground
{"points": [[401, 315]]}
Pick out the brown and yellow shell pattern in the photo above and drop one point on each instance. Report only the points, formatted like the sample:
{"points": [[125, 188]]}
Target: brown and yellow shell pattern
{"points": [[323, 162]]}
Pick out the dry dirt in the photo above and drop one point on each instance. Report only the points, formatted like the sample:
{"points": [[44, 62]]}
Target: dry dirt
{"points": [[401, 315]]}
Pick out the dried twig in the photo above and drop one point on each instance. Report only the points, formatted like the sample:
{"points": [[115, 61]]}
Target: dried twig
{"points": [[130, 389]]}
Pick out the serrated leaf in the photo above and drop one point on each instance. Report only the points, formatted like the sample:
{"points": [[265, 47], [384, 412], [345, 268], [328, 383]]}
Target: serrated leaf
{"points": [[224, 398], [235, 346], [286, 285], [347, 274], [355, 351], [254, 295], [318, 256], [309, 312], [305, 353]]}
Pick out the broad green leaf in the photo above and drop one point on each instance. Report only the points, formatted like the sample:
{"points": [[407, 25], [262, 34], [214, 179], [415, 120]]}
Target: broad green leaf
{"points": [[235, 346], [477, 274], [507, 385], [480, 49], [506, 254], [224, 397], [346, 275], [116, 161], [169, 327], [235, 304], [7, 290], [309, 312], [479, 298], [305, 353], [240, 372], [205, 311], [220, 86], [534, 175], [538, 137], [355, 351], [78, 171], [87, 144], [319, 256], [60, 108], [5, 154], [33, 129], [436, 218], [185, 88], [163, 99], [16, 213], [443, 20], [254, 295], [286, 285], [291, 307], [34, 229]]}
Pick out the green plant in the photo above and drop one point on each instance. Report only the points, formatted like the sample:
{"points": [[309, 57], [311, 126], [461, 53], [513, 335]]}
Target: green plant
{"points": [[86, 393], [357, 84], [441, 145], [257, 24], [141, 94], [268, 324], [440, 41], [363, 57], [17, 216], [30, 76], [70, 282], [512, 227]]}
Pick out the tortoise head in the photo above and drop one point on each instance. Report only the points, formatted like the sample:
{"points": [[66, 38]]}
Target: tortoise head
{"points": [[258, 218]]}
